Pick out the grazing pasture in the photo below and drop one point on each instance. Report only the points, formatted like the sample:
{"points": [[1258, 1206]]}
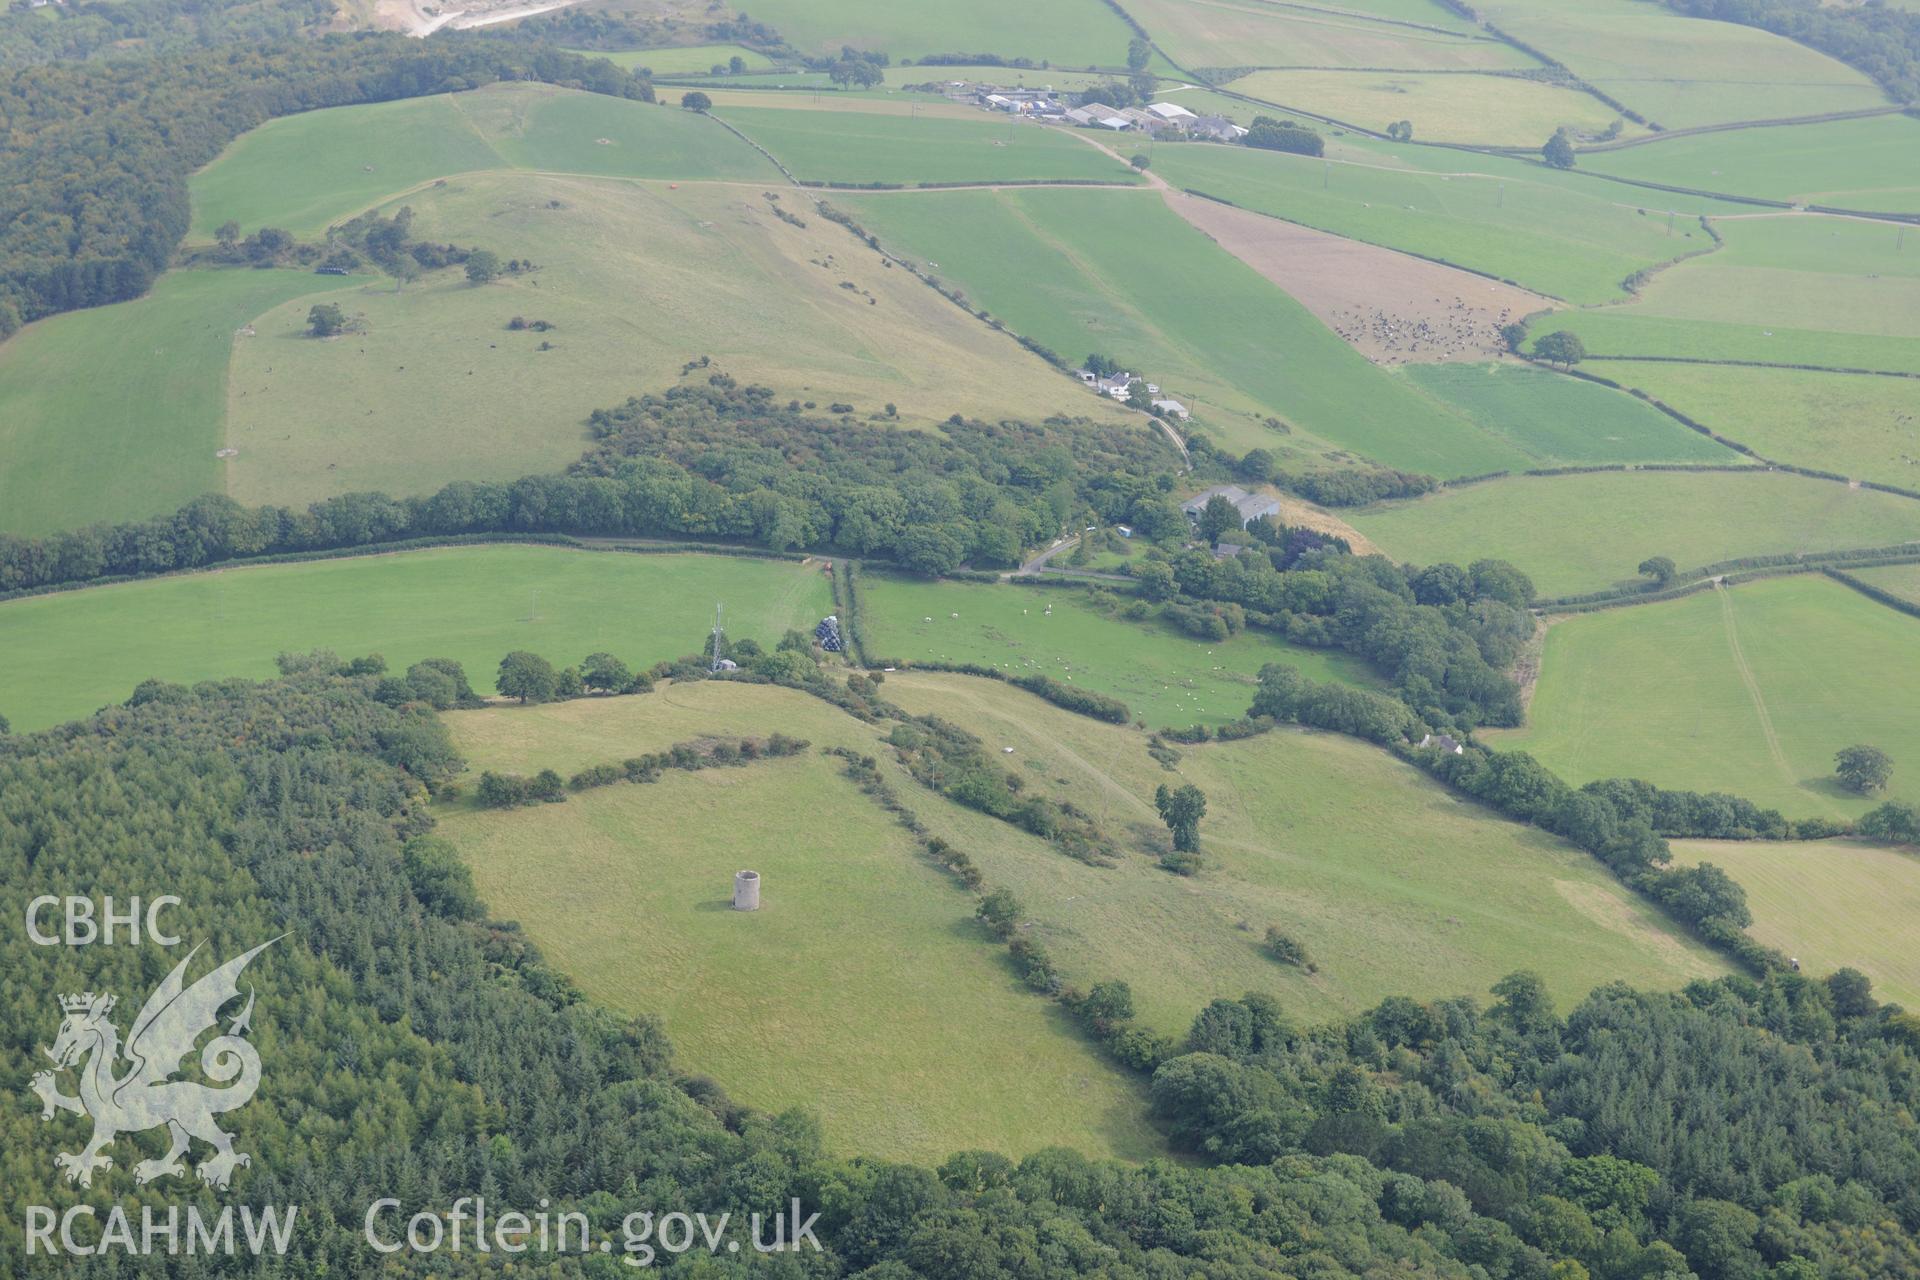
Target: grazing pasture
{"points": [[74, 651], [859, 147], [1393, 885], [1679, 72], [1122, 274], [683, 59], [1237, 33], [1586, 532], [304, 172], [1830, 904], [1857, 425], [1558, 419], [1817, 243], [862, 989], [1558, 234], [77, 447], [1486, 109], [1068, 33], [1750, 689], [1166, 677], [637, 279], [1787, 290], [1630, 331], [1848, 164], [1327, 837]]}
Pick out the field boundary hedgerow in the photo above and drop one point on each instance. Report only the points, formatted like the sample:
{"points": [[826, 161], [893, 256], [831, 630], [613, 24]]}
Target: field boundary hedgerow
{"points": [[635, 546], [1755, 364], [1735, 572], [1876, 594]]}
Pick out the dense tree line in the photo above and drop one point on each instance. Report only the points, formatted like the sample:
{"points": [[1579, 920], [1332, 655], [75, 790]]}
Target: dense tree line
{"points": [[1270, 134], [512, 791], [1444, 635], [1615, 820], [1355, 488], [971, 492], [708, 461], [1879, 39], [1739, 1130], [95, 156]]}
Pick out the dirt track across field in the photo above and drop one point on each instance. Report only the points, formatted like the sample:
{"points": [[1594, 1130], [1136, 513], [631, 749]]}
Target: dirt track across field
{"points": [[1392, 307]]}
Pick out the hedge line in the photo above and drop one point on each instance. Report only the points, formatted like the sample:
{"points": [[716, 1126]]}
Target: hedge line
{"points": [[340, 553], [1082, 701], [510, 791], [1746, 566], [1872, 592]]}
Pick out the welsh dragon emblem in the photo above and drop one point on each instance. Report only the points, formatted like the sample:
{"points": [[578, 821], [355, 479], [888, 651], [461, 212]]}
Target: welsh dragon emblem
{"points": [[145, 1096]]}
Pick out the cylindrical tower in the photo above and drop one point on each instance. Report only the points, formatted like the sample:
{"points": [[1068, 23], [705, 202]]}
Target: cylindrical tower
{"points": [[746, 891]]}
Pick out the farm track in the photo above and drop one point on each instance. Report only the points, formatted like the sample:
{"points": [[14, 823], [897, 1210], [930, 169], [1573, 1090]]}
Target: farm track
{"points": [[1752, 684]]}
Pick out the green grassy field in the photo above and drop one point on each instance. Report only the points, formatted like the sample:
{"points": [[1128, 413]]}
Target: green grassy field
{"points": [[1577, 533], [1749, 690], [1857, 425], [303, 172], [1485, 109], [858, 146], [1785, 289], [72, 652], [1122, 274], [1167, 678], [1818, 243], [638, 279], [1238, 33], [1069, 33], [1630, 331], [1555, 418], [1830, 904], [1680, 71], [1394, 886], [1847, 164], [682, 59], [1901, 579], [1323, 835], [77, 447], [1565, 236], [862, 990]]}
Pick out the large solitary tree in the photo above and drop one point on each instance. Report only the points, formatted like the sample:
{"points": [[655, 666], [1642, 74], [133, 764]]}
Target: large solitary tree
{"points": [[1559, 150], [1181, 809], [527, 676], [1562, 348], [1659, 568], [483, 266], [1862, 768], [325, 320]]}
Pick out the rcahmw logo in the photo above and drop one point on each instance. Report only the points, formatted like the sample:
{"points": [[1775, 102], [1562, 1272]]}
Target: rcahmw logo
{"points": [[144, 1094]]}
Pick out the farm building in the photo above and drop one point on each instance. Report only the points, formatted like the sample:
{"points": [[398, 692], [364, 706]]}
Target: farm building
{"points": [[1215, 129], [1445, 742], [1251, 506], [1173, 408], [1173, 113]]}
